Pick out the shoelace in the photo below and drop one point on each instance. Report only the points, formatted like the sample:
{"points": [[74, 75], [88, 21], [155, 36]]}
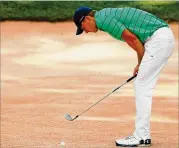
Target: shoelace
{"points": [[130, 138]]}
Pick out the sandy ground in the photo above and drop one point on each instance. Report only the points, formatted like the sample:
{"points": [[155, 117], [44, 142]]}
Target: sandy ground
{"points": [[47, 71]]}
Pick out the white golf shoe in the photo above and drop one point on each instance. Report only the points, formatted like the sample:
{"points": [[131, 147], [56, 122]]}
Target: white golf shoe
{"points": [[131, 141]]}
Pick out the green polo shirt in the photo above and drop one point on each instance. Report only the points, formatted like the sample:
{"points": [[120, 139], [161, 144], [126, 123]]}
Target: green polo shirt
{"points": [[139, 22]]}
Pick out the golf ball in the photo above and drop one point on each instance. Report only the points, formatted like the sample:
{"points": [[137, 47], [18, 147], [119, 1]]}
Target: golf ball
{"points": [[62, 143]]}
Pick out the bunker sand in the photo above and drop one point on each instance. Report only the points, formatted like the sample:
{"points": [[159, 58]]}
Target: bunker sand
{"points": [[47, 71]]}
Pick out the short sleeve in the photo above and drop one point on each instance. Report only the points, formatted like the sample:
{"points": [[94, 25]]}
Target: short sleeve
{"points": [[112, 26]]}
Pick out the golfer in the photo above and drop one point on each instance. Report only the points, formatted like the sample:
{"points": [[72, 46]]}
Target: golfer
{"points": [[153, 41]]}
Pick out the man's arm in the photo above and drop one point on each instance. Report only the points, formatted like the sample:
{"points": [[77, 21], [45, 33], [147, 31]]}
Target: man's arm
{"points": [[132, 40]]}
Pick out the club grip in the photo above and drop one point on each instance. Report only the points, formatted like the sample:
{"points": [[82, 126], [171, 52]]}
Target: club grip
{"points": [[131, 78]]}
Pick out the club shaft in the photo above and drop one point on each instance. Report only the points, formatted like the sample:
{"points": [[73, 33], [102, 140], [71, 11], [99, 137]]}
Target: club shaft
{"points": [[102, 98], [107, 95]]}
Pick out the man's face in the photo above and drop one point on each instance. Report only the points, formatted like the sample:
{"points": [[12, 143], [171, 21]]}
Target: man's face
{"points": [[89, 24]]}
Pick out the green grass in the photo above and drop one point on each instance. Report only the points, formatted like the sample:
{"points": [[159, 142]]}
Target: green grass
{"points": [[63, 10], [156, 2]]}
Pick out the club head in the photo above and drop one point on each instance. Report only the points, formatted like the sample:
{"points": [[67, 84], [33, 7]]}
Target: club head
{"points": [[69, 118]]}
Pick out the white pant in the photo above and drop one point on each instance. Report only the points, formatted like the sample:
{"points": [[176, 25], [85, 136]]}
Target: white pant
{"points": [[158, 48]]}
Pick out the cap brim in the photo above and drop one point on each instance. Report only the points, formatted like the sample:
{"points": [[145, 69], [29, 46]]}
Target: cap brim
{"points": [[79, 31]]}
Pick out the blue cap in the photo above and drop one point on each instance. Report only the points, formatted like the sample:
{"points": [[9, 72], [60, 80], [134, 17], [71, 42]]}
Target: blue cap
{"points": [[78, 17]]}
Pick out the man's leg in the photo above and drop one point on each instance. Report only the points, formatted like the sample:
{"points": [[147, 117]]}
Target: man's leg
{"points": [[148, 74]]}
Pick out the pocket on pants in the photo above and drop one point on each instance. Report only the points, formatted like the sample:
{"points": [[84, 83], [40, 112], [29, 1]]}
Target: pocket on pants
{"points": [[147, 58], [144, 68]]}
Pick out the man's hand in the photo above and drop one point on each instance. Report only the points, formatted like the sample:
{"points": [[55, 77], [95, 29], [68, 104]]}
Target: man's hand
{"points": [[136, 69]]}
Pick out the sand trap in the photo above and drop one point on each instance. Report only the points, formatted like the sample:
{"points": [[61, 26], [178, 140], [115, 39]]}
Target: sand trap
{"points": [[46, 71]]}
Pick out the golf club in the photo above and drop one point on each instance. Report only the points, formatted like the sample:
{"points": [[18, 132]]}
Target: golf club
{"points": [[68, 117]]}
